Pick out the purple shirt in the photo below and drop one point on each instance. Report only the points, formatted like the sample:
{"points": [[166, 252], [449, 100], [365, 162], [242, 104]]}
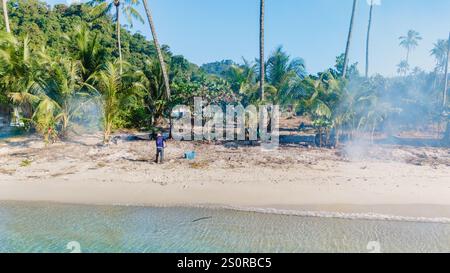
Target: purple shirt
{"points": [[160, 142]]}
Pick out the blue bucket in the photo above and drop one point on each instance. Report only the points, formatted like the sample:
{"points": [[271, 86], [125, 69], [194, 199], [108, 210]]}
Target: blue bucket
{"points": [[189, 155]]}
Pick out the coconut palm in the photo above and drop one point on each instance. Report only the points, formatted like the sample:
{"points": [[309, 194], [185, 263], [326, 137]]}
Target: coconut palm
{"points": [[439, 52], [241, 77], [88, 51], [369, 28], [158, 48], [403, 68], [376, 112], [262, 74], [410, 42], [243, 80], [128, 9], [19, 71], [283, 74], [114, 90], [349, 39], [63, 92], [319, 98], [5, 15], [152, 82], [444, 100]]}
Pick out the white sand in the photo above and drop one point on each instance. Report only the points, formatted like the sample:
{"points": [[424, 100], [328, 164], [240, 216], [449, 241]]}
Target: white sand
{"points": [[388, 180]]}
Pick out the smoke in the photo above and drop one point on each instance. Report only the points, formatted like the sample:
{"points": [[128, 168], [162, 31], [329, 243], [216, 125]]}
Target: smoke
{"points": [[87, 114], [395, 110]]}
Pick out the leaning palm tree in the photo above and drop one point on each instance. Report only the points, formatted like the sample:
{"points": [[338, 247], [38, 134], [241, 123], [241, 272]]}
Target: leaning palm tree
{"points": [[158, 48], [261, 50], [5, 15], [104, 6], [369, 27], [410, 42], [349, 38], [444, 97]]}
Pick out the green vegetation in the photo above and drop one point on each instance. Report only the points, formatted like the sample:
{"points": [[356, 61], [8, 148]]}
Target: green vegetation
{"points": [[75, 65]]}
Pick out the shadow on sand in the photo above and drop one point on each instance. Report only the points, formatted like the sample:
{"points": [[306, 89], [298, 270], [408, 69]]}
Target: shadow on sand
{"points": [[414, 142]]}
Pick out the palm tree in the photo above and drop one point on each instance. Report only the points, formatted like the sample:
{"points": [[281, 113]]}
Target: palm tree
{"points": [[444, 97], [152, 82], [439, 52], [350, 31], [241, 76], [376, 113], [88, 51], [318, 100], [261, 50], [114, 92], [104, 6], [409, 42], [403, 68], [158, 48], [444, 101], [369, 27], [5, 15], [62, 88], [283, 75], [19, 73]]}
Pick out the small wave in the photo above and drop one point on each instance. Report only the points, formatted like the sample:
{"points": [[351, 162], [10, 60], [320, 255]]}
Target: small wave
{"points": [[286, 212], [315, 214], [343, 215]]}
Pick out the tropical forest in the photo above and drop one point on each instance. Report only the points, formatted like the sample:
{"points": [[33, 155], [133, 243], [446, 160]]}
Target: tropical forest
{"points": [[79, 68]]}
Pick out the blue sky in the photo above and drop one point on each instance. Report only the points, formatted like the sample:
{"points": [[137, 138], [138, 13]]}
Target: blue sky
{"points": [[316, 30]]}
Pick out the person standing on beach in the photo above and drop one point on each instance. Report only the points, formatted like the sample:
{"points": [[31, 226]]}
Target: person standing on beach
{"points": [[160, 145]]}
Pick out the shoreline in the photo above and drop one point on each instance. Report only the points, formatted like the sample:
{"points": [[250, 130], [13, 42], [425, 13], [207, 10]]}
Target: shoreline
{"points": [[352, 212], [145, 195]]}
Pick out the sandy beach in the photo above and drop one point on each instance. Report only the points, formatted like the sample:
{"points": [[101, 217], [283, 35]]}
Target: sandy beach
{"points": [[388, 180]]}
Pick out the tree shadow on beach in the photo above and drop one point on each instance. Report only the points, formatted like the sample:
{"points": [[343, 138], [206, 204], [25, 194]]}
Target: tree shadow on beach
{"points": [[414, 142]]}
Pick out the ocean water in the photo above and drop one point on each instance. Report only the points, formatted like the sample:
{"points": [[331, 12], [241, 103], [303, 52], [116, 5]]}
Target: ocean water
{"points": [[40, 227]]}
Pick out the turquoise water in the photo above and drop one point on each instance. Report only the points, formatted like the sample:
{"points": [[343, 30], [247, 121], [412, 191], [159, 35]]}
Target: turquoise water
{"points": [[38, 227]]}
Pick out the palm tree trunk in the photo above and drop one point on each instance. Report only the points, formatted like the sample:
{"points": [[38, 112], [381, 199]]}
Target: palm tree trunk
{"points": [[407, 55], [158, 48], [261, 50], [444, 98], [447, 134], [368, 38], [349, 38], [8, 30], [5, 15], [119, 42]]}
